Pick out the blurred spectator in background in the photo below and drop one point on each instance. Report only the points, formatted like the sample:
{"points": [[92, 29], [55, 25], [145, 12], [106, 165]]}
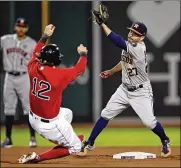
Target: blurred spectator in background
{"points": [[16, 52]]}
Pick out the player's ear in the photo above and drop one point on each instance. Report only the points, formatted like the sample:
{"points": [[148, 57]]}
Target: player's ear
{"points": [[26, 29], [142, 38], [15, 28]]}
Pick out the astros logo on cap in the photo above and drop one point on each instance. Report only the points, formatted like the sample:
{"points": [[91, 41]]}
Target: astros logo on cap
{"points": [[136, 26]]}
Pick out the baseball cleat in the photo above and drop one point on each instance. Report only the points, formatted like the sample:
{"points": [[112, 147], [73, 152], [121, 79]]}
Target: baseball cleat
{"points": [[32, 142], [89, 146], [29, 158], [166, 149], [86, 147], [7, 143]]}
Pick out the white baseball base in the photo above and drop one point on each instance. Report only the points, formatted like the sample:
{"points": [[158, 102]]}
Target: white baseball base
{"points": [[134, 155]]}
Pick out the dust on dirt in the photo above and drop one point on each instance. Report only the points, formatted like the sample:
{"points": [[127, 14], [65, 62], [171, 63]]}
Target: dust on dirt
{"points": [[100, 157]]}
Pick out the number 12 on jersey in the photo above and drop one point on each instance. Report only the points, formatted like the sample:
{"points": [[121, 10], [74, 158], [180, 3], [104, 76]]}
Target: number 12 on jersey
{"points": [[40, 93]]}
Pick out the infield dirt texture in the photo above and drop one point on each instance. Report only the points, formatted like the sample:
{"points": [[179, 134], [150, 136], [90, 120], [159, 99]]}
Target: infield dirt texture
{"points": [[100, 157], [112, 140]]}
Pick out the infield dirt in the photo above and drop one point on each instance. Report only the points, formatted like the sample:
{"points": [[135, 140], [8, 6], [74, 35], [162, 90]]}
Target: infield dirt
{"points": [[100, 157]]}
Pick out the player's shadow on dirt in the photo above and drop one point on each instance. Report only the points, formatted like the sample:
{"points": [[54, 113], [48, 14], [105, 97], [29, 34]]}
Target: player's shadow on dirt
{"points": [[92, 156], [175, 157]]}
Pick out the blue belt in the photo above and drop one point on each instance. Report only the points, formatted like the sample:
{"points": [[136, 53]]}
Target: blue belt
{"points": [[15, 73], [132, 88]]}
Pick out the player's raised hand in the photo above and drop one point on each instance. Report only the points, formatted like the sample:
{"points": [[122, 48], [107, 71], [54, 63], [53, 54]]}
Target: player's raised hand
{"points": [[82, 49], [49, 29], [106, 74]]}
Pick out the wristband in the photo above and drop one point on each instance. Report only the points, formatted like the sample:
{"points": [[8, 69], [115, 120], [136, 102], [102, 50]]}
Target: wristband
{"points": [[44, 38], [83, 54]]}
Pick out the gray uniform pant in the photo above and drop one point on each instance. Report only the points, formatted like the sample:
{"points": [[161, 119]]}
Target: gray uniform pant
{"points": [[16, 87], [141, 100]]}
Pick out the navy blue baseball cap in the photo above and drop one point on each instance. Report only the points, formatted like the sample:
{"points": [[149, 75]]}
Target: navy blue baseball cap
{"points": [[22, 22], [139, 28]]}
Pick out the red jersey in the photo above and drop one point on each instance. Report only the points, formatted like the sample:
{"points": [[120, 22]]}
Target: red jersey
{"points": [[47, 84]]}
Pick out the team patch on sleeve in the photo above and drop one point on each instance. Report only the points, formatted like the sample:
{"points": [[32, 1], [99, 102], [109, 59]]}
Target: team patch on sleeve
{"points": [[134, 44]]}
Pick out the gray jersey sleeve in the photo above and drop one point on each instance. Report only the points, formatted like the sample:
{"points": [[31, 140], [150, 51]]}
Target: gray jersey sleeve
{"points": [[1, 59], [1, 41]]}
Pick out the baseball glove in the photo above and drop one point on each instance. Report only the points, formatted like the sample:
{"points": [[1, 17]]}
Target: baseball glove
{"points": [[100, 16]]}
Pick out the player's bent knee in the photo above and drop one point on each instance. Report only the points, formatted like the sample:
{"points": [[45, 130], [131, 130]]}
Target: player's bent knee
{"points": [[9, 111], [150, 124], [106, 114], [68, 115]]}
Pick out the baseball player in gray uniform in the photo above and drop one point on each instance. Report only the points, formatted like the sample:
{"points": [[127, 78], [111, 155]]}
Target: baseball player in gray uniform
{"points": [[135, 90], [16, 50]]}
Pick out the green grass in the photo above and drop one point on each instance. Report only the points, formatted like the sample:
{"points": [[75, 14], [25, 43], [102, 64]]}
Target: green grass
{"points": [[109, 137]]}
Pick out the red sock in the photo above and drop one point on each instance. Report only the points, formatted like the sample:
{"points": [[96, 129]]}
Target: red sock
{"points": [[81, 137], [56, 152]]}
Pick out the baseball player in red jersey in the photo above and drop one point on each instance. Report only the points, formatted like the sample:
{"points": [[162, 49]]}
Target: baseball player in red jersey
{"points": [[47, 83]]}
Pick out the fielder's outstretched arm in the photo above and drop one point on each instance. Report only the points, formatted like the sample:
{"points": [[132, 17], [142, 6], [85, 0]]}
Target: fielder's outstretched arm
{"points": [[115, 38], [110, 72], [116, 68]]}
